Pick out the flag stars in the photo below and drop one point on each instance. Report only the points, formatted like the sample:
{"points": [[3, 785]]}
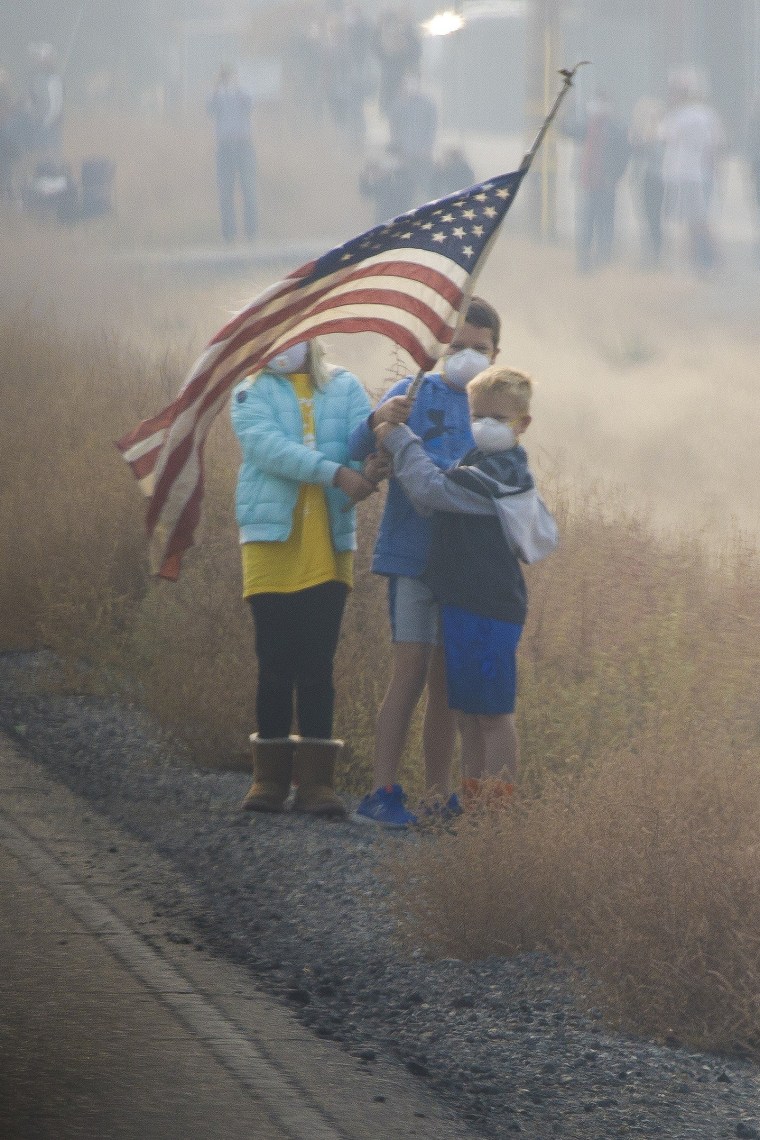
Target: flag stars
{"points": [[455, 228]]}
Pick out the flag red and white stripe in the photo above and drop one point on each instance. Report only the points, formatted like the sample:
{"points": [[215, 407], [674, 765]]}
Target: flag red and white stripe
{"points": [[406, 280]]}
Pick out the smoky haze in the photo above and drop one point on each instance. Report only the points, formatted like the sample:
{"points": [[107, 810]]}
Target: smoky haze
{"points": [[643, 348]]}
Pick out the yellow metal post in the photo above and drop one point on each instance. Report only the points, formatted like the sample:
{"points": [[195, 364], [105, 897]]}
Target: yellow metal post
{"points": [[542, 72]]}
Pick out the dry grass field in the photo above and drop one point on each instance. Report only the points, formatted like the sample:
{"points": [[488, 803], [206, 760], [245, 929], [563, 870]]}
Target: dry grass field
{"points": [[634, 846]]}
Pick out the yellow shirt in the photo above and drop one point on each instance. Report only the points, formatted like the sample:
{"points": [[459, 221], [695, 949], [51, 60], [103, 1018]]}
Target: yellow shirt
{"points": [[307, 557]]}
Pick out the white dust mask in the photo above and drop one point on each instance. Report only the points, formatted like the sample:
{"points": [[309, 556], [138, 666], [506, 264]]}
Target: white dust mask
{"points": [[293, 359], [492, 435], [462, 366]]}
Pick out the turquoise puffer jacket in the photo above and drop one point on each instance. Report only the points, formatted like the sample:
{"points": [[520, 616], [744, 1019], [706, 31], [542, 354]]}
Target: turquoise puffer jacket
{"points": [[266, 417]]}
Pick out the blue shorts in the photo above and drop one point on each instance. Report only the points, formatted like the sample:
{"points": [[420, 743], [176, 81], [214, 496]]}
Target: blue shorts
{"points": [[481, 666], [413, 611]]}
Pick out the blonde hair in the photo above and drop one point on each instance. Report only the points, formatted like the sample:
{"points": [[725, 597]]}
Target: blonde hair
{"points": [[319, 370], [509, 385]]}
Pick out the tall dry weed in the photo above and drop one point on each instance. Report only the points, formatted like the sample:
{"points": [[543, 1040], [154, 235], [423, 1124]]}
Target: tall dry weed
{"points": [[633, 849], [663, 889], [643, 874]]}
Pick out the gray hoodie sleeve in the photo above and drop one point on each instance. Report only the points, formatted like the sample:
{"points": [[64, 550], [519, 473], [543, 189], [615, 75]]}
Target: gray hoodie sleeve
{"points": [[429, 488], [526, 523]]}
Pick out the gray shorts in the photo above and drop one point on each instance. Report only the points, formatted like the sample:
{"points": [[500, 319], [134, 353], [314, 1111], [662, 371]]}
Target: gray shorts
{"points": [[413, 611]]}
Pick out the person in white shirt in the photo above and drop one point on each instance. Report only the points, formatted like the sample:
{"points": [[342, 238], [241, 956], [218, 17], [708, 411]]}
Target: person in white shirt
{"points": [[45, 104], [693, 140]]}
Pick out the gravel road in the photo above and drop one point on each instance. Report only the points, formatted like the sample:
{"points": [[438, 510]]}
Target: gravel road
{"points": [[298, 903]]}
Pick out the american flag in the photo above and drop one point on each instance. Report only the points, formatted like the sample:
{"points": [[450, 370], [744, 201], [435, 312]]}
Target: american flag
{"points": [[407, 280]]}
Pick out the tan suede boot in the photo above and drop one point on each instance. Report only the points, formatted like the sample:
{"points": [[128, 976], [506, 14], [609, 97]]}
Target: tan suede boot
{"points": [[314, 776], [272, 771]]}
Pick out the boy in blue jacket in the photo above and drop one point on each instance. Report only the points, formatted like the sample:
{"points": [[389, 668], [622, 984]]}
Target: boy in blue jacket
{"points": [[440, 416], [487, 518]]}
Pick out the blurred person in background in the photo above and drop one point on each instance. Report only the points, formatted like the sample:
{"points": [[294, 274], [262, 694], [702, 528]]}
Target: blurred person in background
{"points": [[45, 106], [693, 142], [230, 107], [413, 125], [10, 137], [646, 175], [346, 45], [398, 49], [293, 421], [389, 182], [452, 172], [602, 159]]}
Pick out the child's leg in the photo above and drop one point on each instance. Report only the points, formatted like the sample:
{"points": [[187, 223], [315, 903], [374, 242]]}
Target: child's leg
{"points": [[501, 746], [473, 758], [414, 623], [439, 728], [410, 664], [489, 759], [276, 625]]}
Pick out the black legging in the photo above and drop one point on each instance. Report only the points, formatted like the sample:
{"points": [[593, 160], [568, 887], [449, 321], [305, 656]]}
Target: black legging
{"points": [[296, 638]]}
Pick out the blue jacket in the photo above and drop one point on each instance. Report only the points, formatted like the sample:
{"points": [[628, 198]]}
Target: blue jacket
{"points": [[441, 419], [266, 417]]}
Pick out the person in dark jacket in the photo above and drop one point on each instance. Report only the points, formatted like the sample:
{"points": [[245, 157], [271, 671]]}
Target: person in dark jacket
{"points": [[487, 518]]}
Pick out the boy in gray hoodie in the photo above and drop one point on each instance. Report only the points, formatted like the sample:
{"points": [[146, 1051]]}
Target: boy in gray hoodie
{"points": [[487, 519]]}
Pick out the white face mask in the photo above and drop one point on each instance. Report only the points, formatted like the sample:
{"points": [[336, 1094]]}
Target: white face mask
{"points": [[293, 359], [462, 366], [492, 435]]}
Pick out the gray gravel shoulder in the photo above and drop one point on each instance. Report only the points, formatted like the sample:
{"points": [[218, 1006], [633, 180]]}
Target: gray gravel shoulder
{"points": [[298, 903]]}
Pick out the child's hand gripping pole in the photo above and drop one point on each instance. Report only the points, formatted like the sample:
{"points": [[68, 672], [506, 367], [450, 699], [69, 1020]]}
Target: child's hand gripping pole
{"points": [[378, 465]]}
